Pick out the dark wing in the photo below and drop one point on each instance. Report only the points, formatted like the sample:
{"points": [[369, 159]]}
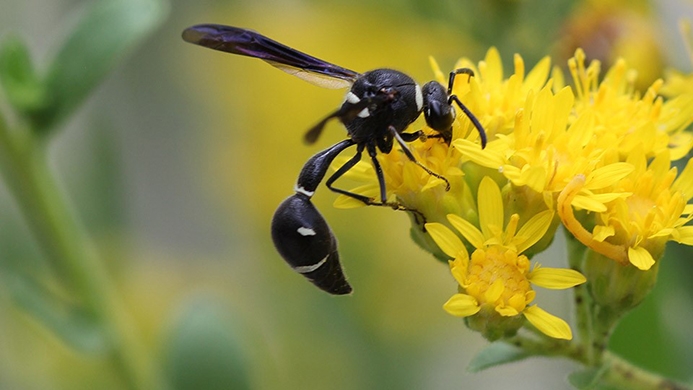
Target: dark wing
{"points": [[249, 43]]}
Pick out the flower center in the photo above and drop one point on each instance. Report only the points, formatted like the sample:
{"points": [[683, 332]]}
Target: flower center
{"points": [[639, 208], [498, 276]]}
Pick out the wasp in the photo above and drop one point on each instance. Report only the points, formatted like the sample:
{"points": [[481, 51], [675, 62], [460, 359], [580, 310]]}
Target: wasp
{"points": [[378, 108]]}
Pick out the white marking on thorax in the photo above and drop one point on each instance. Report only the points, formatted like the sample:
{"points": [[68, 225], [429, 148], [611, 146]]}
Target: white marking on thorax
{"points": [[419, 98], [364, 113], [305, 269], [352, 98], [304, 231], [303, 191]]}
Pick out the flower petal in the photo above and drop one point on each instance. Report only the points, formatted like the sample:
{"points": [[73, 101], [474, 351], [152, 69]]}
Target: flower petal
{"points": [[588, 203], [349, 202], [533, 230], [601, 233], [469, 231], [507, 311], [447, 241], [488, 157], [640, 258], [556, 278], [536, 78], [548, 324], [458, 269], [608, 175], [490, 207], [494, 291], [684, 235], [684, 182], [462, 305]]}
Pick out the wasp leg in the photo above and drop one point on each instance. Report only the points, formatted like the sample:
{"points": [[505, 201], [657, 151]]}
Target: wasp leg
{"points": [[381, 182], [410, 156], [314, 169]]}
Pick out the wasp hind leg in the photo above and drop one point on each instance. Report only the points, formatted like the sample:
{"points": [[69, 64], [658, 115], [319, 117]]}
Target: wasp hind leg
{"points": [[368, 201]]}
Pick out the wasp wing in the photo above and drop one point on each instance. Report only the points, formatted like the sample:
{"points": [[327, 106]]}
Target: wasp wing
{"points": [[249, 43]]}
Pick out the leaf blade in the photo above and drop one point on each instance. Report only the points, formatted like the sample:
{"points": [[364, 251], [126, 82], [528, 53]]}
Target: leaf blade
{"points": [[105, 34], [495, 354]]}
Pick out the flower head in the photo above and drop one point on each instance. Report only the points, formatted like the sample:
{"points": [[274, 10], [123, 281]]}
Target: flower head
{"points": [[635, 228], [496, 280], [639, 203], [597, 154]]}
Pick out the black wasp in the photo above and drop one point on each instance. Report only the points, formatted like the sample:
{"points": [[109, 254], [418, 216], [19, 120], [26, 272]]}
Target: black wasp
{"points": [[379, 106]]}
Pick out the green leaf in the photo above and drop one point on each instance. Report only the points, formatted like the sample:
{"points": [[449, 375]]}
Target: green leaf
{"points": [[71, 324], [584, 379], [589, 378], [495, 354], [22, 86], [107, 32], [204, 350]]}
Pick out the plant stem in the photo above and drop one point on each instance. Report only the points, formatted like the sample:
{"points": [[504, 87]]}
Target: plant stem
{"points": [[69, 251], [624, 375], [583, 300], [547, 346]]}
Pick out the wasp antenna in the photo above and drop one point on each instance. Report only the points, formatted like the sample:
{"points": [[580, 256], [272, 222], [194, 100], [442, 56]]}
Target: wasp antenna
{"points": [[472, 117], [313, 134], [451, 80]]}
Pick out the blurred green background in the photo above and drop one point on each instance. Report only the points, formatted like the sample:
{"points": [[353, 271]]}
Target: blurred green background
{"points": [[177, 161]]}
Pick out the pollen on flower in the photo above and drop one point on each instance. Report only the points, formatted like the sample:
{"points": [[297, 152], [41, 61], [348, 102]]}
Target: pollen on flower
{"points": [[499, 267]]}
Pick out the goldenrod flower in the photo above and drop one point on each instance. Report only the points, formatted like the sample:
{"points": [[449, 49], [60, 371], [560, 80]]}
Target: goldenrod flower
{"points": [[639, 205], [599, 146], [603, 133], [635, 228], [497, 278], [623, 119]]}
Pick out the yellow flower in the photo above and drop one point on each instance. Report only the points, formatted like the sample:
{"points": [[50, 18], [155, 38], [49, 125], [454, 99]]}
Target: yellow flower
{"points": [[497, 278], [604, 133], [493, 98], [585, 147], [635, 228], [623, 119], [558, 134]]}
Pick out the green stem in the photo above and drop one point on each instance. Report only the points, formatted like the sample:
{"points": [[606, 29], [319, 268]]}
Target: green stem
{"points": [[622, 374], [583, 300], [69, 251], [547, 346], [614, 371]]}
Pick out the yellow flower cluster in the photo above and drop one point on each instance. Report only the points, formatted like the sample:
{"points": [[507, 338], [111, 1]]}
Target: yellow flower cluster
{"points": [[497, 277], [596, 157]]}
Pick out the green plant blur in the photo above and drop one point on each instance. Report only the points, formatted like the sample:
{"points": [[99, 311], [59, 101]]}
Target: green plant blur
{"points": [[161, 163]]}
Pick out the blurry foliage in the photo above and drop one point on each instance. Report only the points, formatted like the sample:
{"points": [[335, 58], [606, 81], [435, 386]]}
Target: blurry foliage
{"points": [[235, 126], [204, 351]]}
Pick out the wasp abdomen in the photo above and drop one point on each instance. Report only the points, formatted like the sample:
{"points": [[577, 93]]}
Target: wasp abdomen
{"points": [[305, 241]]}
